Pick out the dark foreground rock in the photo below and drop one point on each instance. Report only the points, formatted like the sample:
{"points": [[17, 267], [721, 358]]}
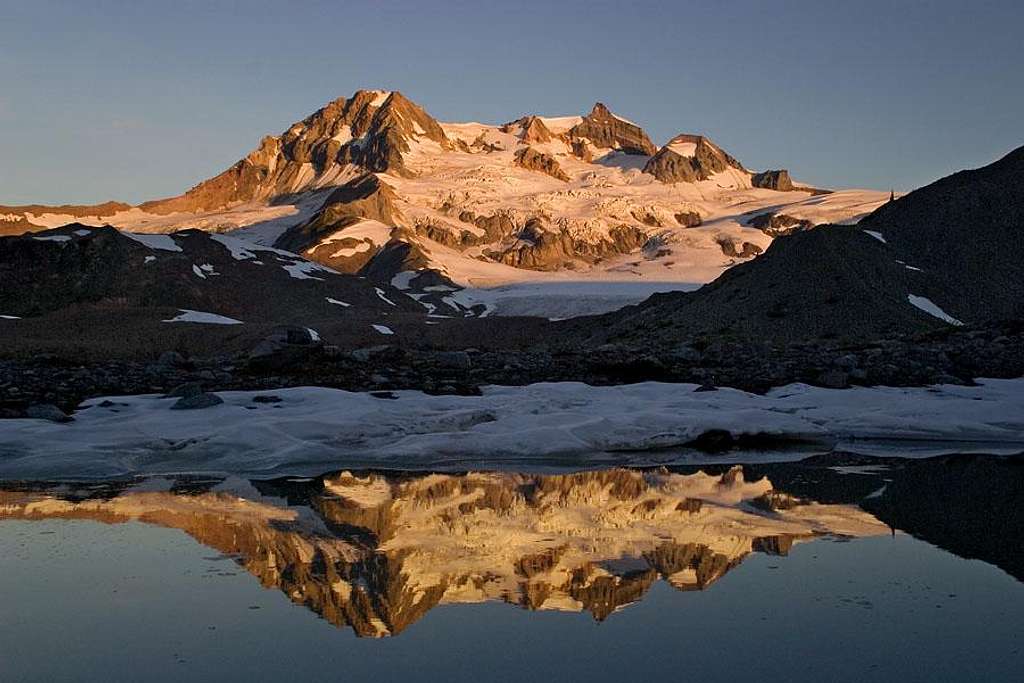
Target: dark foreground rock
{"points": [[945, 356]]}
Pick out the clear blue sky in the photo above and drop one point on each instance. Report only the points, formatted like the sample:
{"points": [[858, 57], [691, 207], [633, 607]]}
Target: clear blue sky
{"points": [[136, 100]]}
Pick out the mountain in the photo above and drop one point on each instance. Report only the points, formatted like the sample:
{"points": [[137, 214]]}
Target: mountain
{"points": [[374, 185], [936, 257]]}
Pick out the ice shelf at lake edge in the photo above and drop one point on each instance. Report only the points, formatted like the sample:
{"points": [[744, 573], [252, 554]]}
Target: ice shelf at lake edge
{"points": [[316, 429]]}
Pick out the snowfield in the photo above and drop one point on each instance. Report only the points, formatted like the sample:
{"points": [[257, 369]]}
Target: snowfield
{"points": [[313, 429]]}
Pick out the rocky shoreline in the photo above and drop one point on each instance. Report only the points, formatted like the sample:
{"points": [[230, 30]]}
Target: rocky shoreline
{"points": [[289, 358]]}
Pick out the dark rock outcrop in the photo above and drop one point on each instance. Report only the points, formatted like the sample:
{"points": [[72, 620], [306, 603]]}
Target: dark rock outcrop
{"points": [[689, 219], [688, 159], [365, 197], [532, 160], [605, 130], [773, 180], [778, 224], [529, 129], [745, 250]]}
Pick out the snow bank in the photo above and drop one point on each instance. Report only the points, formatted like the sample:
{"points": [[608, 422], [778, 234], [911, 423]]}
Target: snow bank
{"points": [[930, 307], [313, 430], [190, 316], [165, 242]]}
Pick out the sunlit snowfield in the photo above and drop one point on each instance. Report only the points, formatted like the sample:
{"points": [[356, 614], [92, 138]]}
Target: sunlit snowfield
{"points": [[798, 571]]}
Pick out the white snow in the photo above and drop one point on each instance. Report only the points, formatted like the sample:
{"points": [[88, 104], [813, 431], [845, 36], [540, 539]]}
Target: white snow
{"points": [[380, 294], [314, 429], [337, 302], [383, 329], [240, 249], [52, 238], [10, 317], [560, 124], [165, 242], [402, 280], [313, 334], [304, 270], [190, 316], [877, 236], [684, 149], [83, 233], [148, 259], [198, 271], [929, 307]]}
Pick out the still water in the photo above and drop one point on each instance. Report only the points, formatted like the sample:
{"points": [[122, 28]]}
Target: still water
{"points": [[893, 570]]}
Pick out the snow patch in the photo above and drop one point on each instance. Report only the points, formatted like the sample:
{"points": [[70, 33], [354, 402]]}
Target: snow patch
{"points": [[684, 149], [190, 316], [877, 236], [929, 307], [380, 293], [164, 242], [337, 302], [383, 329], [239, 249]]}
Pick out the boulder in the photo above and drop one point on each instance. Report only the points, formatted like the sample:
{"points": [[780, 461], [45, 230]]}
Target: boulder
{"points": [[47, 411], [284, 347], [185, 390]]}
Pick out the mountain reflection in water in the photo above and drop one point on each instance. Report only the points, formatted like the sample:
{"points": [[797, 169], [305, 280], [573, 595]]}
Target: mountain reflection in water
{"points": [[376, 552]]}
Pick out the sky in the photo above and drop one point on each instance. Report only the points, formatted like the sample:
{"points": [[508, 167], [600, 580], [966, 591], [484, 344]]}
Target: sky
{"points": [[137, 100]]}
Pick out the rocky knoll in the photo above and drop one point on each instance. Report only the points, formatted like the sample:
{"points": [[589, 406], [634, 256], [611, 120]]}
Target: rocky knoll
{"points": [[602, 129], [529, 130], [532, 160], [45, 273], [322, 238], [688, 159], [773, 180], [778, 224], [833, 281]]}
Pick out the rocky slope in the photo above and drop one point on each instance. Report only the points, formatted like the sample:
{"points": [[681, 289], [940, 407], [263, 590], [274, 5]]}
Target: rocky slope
{"points": [[218, 277], [959, 234]]}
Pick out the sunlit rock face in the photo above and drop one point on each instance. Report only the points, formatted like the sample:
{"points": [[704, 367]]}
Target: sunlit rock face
{"points": [[376, 553]]}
